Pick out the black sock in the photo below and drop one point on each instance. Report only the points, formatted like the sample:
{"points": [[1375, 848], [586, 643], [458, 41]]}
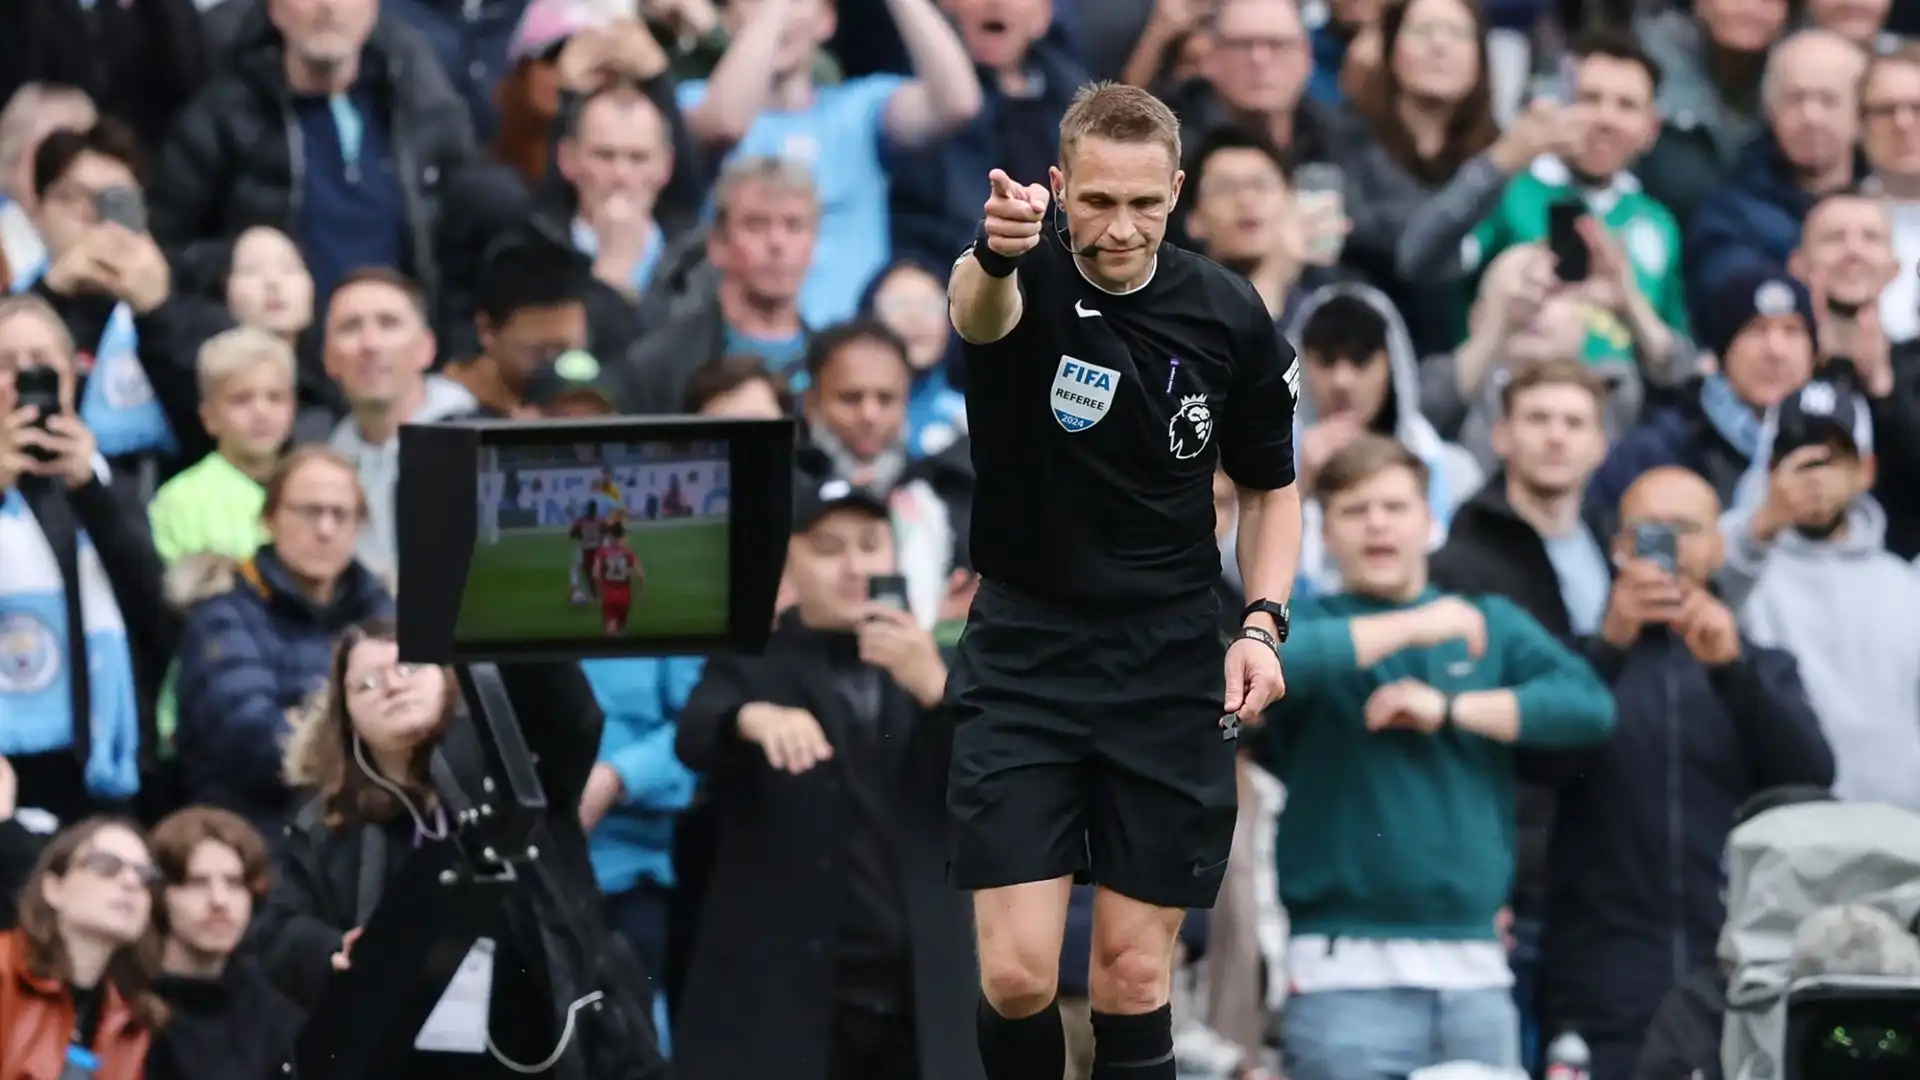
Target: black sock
{"points": [[1134, 1047], [1030, 1048]]}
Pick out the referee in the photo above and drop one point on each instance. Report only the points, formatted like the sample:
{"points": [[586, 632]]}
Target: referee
{"points": [[1106, 372]]}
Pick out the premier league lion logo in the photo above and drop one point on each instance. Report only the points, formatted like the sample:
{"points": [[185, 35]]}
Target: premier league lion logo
{"points": [[1191, 427]]}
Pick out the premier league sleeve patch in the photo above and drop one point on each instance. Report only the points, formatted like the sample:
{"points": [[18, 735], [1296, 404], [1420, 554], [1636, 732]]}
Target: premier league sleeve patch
{"points": [[1191, 427]]}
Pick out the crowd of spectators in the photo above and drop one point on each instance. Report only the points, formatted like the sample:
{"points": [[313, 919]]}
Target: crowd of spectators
{"points": [[1608, 315]]}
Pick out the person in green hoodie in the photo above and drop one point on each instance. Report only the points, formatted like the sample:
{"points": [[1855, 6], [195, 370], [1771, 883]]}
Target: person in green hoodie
{"points": [[1396, 741]]}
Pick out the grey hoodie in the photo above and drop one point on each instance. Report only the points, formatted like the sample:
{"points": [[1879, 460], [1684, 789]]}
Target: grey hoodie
{"points": [[379, 468], [1455, 475], [1845, 609]]}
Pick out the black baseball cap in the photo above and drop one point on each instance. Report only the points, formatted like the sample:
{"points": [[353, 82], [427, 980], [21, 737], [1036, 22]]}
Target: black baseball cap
{"points": [[1821, 413], [814, 499], [573, 375]]}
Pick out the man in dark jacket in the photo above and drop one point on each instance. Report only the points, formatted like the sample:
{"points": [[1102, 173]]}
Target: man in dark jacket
{"points": [[333, 125], [1706, 720], [830, 945]]}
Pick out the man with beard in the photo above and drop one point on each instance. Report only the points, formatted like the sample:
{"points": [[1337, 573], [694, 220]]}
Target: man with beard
{"points": [[1811, 97], [1635, 283], [1818, 582], [228, 1022]]}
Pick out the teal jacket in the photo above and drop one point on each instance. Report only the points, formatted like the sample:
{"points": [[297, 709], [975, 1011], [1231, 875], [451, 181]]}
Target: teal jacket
{"points": [[1397, 835]]}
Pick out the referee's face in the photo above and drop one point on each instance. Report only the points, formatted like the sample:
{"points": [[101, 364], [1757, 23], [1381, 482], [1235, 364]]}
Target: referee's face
{"points": [[1116, 197]]}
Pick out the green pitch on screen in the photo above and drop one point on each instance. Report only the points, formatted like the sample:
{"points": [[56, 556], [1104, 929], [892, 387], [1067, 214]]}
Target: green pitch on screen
{"points": [[518, 586]]}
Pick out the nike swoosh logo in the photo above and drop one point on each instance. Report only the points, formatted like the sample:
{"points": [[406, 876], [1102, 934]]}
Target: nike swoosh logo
{"points": [[1081, 309], [1203, 869]]}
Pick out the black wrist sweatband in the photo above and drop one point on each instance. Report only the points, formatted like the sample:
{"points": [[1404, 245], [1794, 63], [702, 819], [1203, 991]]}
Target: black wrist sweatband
{"points": [[995, 264]]}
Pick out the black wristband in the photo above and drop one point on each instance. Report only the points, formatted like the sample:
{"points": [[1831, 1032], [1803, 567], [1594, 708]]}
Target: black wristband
{"points": [[1254, 633], [995, 264]]}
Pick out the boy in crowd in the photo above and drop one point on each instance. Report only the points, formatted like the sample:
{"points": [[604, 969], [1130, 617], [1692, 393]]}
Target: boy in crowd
{"points": [[1396, 741], [247, 405]]}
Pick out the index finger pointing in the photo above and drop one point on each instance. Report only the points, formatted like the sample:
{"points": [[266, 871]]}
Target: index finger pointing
{"points": [[1003, 184]]}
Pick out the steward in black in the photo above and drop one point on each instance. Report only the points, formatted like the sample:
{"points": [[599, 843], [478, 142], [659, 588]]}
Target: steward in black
{"points": [[1087, 688], [1095, 424]]}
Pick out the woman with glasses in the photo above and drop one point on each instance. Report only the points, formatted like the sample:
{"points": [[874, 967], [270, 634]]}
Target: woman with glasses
{"points": [[259, 632], [559, 987], [76, 976]]}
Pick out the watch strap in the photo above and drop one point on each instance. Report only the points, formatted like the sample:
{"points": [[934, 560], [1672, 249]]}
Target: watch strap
{"points": [[1282, 618]]}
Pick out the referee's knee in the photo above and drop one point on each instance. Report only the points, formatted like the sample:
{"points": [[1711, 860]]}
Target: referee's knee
{"points": [[1018, 986], [1129, 978]]}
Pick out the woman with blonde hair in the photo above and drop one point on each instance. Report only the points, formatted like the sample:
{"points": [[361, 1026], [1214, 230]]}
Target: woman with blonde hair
{"points": [[76, 976]]}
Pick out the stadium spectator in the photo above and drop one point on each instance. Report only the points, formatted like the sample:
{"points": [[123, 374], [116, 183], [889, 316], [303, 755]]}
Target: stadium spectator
{"points": [[226, 1021], [1862, 22], [87, 633], [259, 630], [268, 287], [140, 62], [617, 156], [33, 112], [1358, 376], [1245, 217], [1810, 149], [529, 308], [1890, 138], [76, 976], [378, 348], [762, 99], [766, 224], [1027, 78], [830, 944], [1711, 59], [1399, 728], [246, 404], [1524, 315], [528, 96], [471, 43], [854, 412], [1706, 720], [1815, 546], [910, 299], [362, 755], [1759, 325], [1634, 285], [112, 287], [377, 130]]}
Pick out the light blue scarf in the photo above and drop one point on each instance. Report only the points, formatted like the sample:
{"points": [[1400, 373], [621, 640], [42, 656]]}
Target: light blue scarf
{"points": [[1733, 419], [36, 696], [118, 404]]}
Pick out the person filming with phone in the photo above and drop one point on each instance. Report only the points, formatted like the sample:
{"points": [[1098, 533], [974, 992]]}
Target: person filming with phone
{"points": [[829, 944], [1706, 719]]}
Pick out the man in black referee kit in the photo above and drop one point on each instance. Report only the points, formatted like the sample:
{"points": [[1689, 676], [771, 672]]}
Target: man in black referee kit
{"points": [[1105, 372]]}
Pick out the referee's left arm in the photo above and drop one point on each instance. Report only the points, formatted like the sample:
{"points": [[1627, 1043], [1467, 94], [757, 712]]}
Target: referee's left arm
{"points": [[1256, 450]]}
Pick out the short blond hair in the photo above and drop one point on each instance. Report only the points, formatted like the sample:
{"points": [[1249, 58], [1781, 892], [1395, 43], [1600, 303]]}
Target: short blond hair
{"points": [[35, 306], [1118, 113], [242, 348]]}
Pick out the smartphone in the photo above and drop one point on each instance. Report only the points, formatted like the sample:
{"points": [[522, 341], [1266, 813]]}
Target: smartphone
{"points": [[888, 589], [39, 387], [1572, 262], [124, 206], [1658, 544]]}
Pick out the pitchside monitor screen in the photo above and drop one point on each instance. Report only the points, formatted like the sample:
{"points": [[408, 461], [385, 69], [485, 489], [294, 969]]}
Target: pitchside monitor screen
{"points": [[593, 538]]}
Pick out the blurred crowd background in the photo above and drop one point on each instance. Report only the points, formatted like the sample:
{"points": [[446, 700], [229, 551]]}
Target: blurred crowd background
{"points": [[1608, 270]]}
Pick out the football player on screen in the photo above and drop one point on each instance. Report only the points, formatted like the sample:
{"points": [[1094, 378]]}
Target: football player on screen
{"points": [[617, 572], [588, 531]]}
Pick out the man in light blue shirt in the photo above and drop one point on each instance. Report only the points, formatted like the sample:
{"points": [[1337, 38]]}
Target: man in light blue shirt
{"points": [[762, 100], [617, 156]]}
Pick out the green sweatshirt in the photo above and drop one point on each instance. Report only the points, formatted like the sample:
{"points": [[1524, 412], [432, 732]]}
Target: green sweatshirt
{"points": [[210, 507], [1397, 835]]}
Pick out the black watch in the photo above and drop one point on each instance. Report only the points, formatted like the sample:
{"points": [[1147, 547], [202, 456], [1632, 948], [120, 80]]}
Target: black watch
{"points": [[1268, 607]]}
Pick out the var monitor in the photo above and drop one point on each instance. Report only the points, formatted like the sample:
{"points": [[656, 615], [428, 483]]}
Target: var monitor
{"points": [[523, 540]]}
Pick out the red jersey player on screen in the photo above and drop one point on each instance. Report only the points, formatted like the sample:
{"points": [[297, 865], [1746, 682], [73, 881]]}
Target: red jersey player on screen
{"points": [[588, 531], [616, 569]]}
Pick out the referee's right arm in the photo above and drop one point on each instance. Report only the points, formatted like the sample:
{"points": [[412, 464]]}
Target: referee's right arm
{"points": [[983, 295]]}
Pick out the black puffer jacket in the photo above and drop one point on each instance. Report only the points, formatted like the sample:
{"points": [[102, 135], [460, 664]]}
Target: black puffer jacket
{"points": [[234, 161]]}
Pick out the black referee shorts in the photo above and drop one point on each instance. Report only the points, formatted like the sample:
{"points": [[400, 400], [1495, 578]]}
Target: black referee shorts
{"points": [[1091, 744]]}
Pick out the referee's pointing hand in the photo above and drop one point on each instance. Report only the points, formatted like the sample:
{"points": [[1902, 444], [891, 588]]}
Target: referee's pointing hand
{"points": [[1253, 679], [1014, 214]]}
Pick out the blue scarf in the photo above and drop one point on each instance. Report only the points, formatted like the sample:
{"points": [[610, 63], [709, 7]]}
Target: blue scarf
{"points": [[36, 696], [587, 243], [117, 403], [1734, 420]]}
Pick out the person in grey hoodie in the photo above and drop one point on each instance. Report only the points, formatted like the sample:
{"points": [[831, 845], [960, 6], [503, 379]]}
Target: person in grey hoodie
{"points": [[378, 348], [1359, 374], [1808, 571]]}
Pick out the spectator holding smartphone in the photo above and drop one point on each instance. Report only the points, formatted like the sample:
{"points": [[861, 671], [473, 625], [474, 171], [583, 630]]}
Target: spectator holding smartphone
{"points": [[1706, 720]]}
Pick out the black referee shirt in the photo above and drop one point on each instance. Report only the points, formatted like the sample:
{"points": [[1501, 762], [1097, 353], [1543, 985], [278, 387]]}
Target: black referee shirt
{"points": [[1097, 422]]}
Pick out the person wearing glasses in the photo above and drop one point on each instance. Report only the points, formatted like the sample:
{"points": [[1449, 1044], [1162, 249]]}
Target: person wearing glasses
{"points": [[259, 631], [76, 974]]}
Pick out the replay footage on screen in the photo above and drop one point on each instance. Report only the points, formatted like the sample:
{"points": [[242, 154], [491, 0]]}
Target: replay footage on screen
{"points": [[599, 539]]}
